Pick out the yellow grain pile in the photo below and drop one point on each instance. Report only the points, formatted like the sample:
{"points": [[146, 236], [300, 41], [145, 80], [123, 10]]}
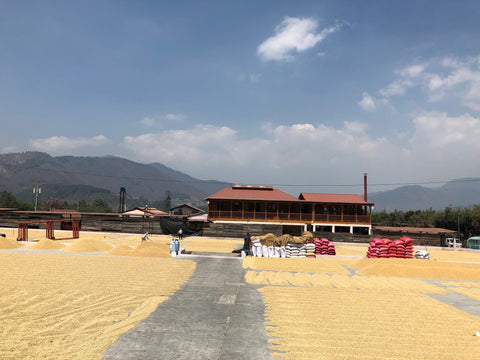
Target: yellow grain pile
{"points": [[6, 243], [87, 245], [133, 239], [471, 293], [151, 249], [337, 281], [74, 307], [121, 250], [319, 323], [211, 245], [351, 250], [468, 284], [47, 244], [451, 255], [322, 265], [416, 268], [317, 309]]}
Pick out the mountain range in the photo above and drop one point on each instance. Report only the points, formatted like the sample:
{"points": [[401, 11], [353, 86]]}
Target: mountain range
{"points": [[75, 178], [463, 192]]}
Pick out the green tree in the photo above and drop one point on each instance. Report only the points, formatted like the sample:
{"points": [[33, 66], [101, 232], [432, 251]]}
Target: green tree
{"points": [[7, 200], [98, 205]]}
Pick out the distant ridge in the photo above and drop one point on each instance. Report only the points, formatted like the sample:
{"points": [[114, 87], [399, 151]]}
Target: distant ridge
{"points": [[206, 186], [462, 192], [75, 178]]}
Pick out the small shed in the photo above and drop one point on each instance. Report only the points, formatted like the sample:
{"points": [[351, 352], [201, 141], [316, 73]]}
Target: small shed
{"points": [[185, 209], [420, 236], [142, 211]]}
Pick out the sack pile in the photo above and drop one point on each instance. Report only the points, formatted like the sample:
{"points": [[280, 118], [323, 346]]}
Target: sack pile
{"points": [[291, 246], [386, 248], [421, 254], [324, 247], [295, 250], [310, 246], [268, 246]]}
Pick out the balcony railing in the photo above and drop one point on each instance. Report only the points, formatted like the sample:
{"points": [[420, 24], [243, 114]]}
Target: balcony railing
{"points": [[295, 217]]}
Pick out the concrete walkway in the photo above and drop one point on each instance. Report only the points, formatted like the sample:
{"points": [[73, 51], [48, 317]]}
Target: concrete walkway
{"points": [[215, 315]]}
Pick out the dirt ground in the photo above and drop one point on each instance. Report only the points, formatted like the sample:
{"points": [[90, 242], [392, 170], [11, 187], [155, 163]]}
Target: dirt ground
{"points": [[73, 298], [61, 302], [347, 308]]}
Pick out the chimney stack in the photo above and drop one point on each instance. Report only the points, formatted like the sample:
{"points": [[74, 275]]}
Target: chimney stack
{"points": [[365, 187]]}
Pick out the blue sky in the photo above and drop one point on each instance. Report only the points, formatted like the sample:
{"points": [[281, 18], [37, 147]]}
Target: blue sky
{"points": [[256, 92]]}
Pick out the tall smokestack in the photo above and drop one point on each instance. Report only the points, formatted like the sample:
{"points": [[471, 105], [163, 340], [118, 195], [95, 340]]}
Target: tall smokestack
{"points": [[365, 187]]}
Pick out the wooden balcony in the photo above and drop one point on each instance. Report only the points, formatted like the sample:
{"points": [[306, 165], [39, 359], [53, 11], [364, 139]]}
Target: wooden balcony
{"points": [[226, 215]]}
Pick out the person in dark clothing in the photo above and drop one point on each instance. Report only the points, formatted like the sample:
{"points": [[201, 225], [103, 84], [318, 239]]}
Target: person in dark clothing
{"points": [[246, 244]]}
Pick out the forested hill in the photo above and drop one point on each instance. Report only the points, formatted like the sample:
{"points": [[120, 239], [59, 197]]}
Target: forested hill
{"points": [[456, 193], [72, 179], [84, 178]]}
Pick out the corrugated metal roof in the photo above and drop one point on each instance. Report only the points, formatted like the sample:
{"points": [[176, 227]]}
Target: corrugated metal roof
{"points": [[332, 198], [252, 193]]}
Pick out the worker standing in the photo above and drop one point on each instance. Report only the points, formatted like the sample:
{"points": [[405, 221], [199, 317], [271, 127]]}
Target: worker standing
{"points": [[246, 244]]}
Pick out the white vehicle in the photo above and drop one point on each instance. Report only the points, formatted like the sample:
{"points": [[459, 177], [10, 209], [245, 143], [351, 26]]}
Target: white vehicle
{"points": [[451, 241]]}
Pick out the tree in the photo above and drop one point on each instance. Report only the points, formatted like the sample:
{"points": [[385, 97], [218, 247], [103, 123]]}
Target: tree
{"points": [[98, 205], [7, 200], [52, 204]]}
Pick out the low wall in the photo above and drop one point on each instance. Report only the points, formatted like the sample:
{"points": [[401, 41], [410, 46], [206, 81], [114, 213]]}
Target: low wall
{"points": [[115, 223], [418, 239], [88, 222]]}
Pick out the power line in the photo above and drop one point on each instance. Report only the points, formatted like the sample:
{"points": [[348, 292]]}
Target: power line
{"points": [[171, 180], [384, 184]]}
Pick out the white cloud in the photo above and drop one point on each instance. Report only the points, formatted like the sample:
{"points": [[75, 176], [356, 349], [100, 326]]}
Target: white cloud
{"points": [[439, 79], [283, 152], [172, 116], [367, 103], [293, 35], [63, 144], [436, 130], [412, 71], [397, 87], [439, 146], [445, 147], [148, 121]]}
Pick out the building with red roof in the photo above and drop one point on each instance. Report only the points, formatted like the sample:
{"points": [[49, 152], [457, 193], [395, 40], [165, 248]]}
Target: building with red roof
{"points": [[248, 204]]}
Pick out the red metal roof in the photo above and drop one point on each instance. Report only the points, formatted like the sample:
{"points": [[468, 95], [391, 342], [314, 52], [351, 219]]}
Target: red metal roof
{"points": [[333, 198], [246, 192]]}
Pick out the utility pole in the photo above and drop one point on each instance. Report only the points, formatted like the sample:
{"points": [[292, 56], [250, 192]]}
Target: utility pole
{"points": [[37, 190], [122, 206]]}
